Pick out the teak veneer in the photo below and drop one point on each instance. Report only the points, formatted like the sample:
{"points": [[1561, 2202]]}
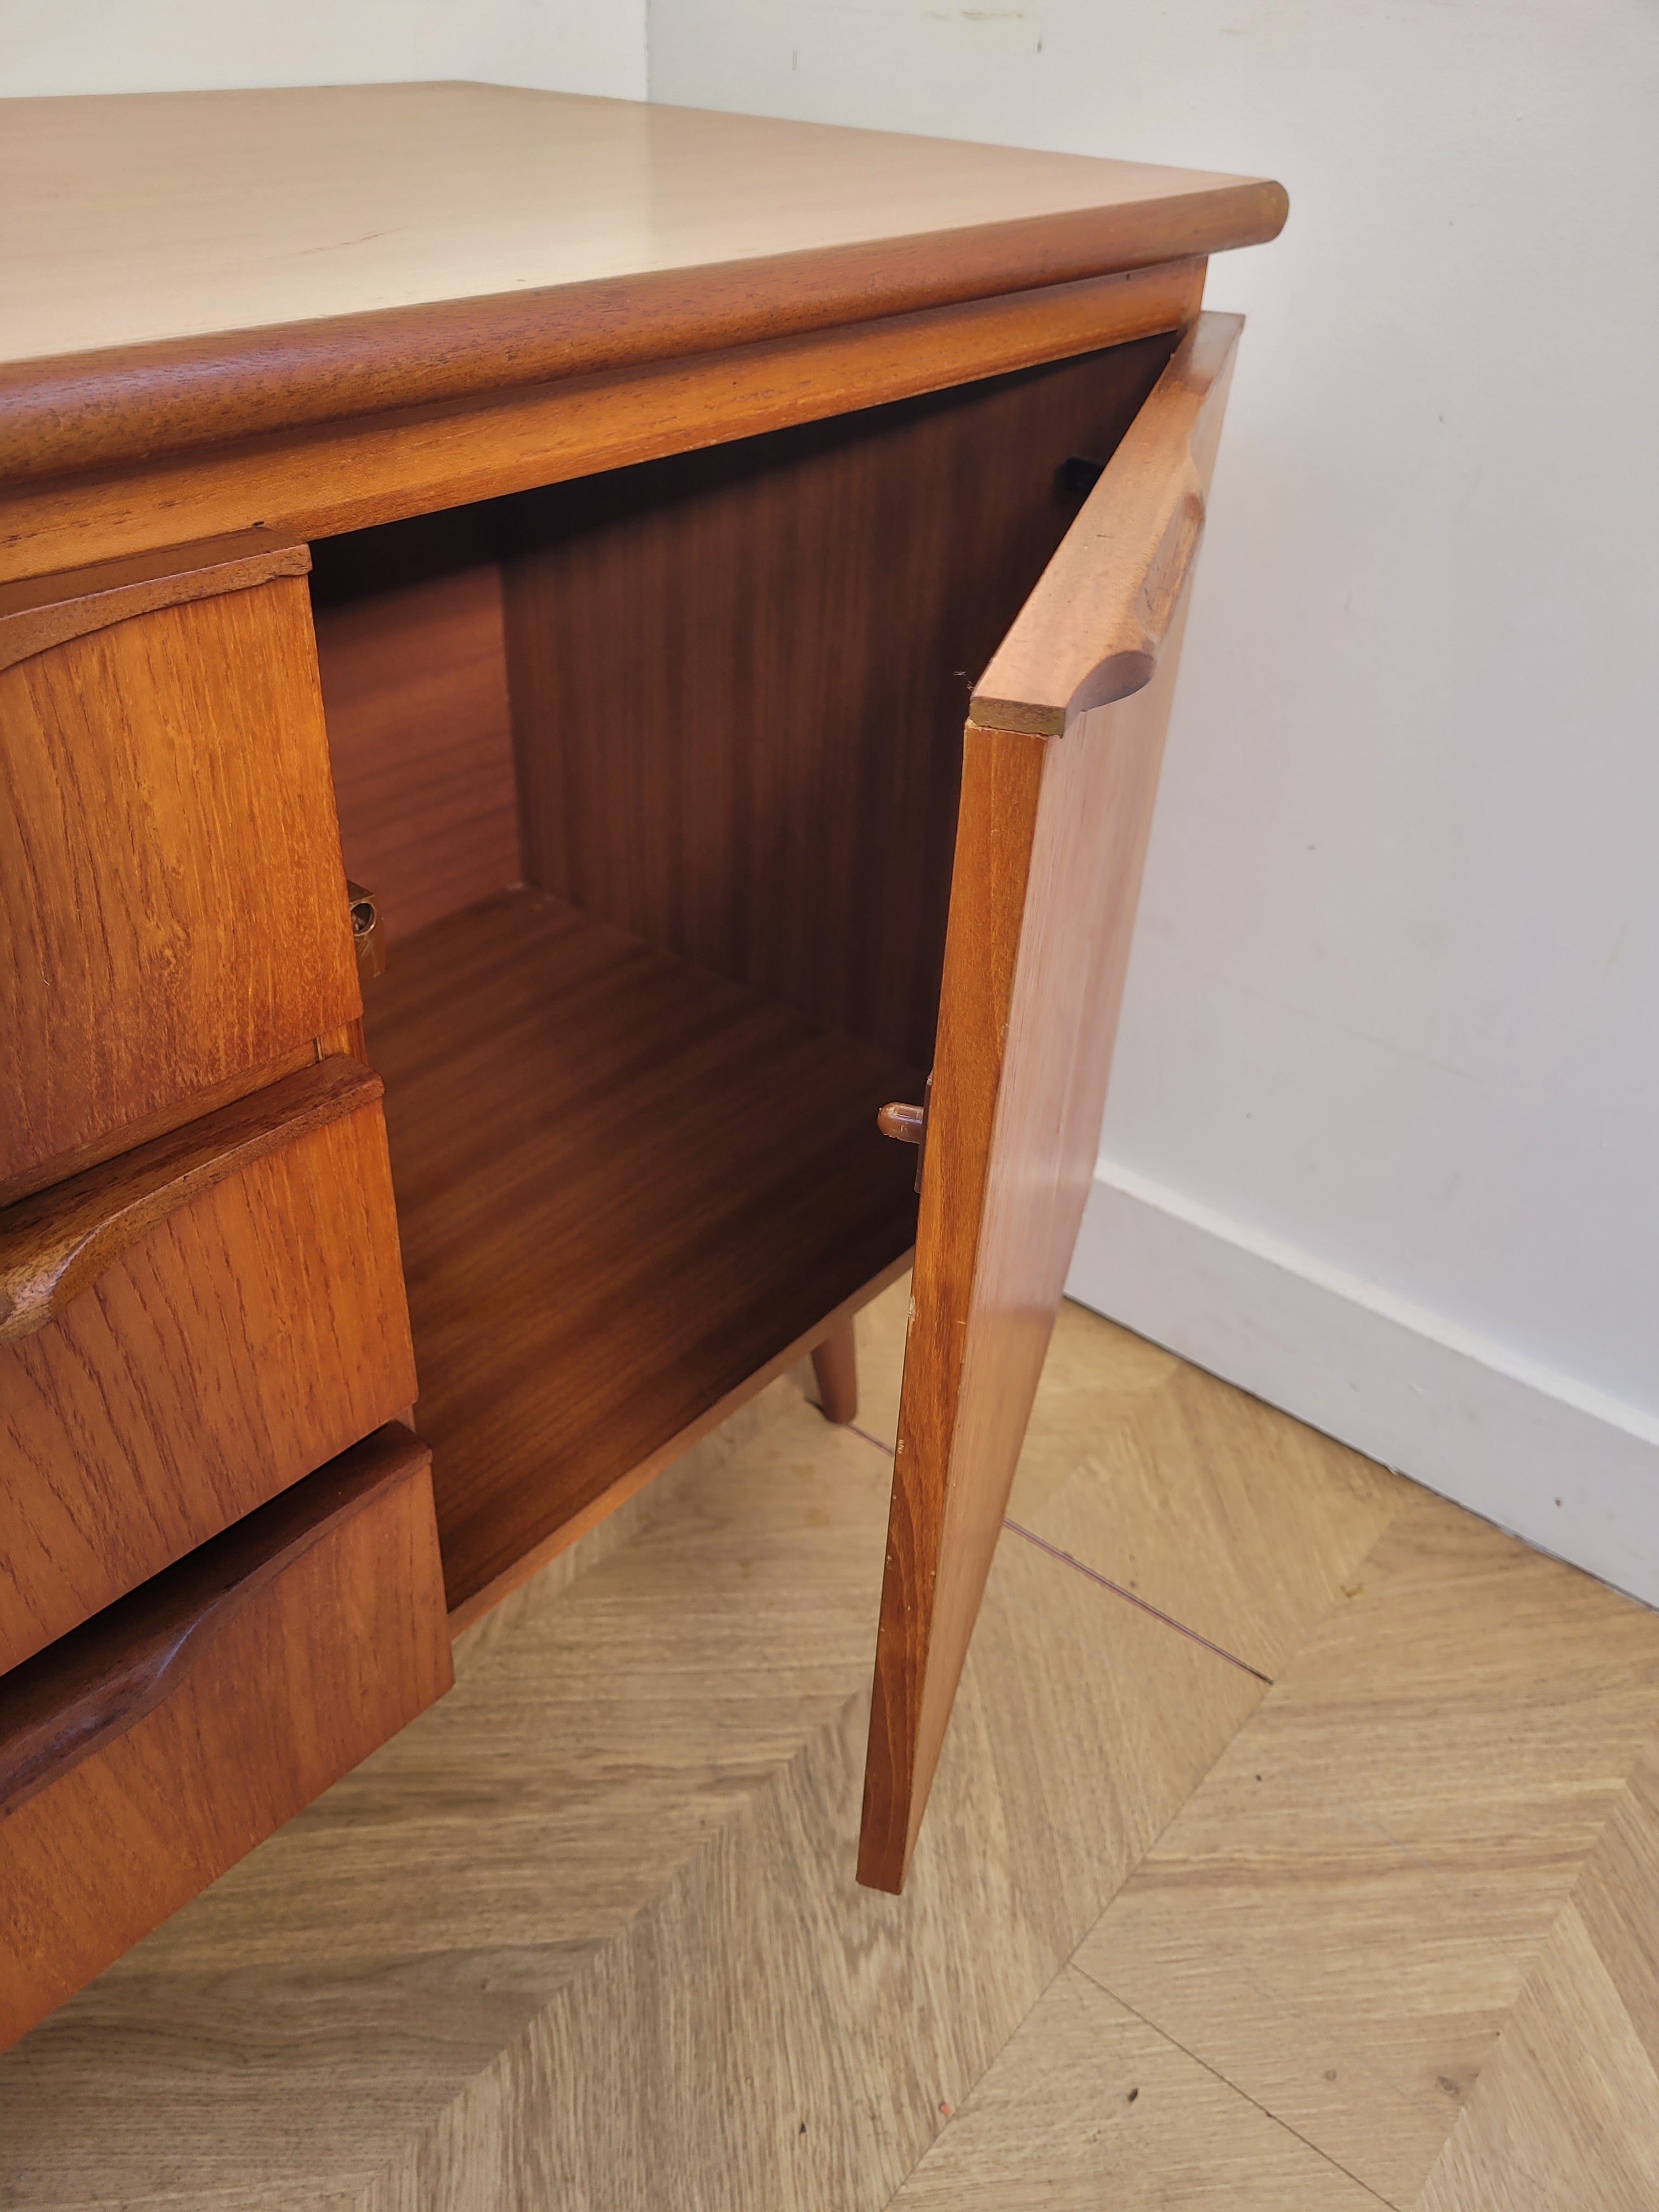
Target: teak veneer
{"points": [[560, 541], [150, 1750], [193, 1327], [444, 240], [626, 1187]]}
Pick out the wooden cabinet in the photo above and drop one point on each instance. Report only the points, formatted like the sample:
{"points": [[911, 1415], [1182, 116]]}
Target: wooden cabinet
{"points": [[652, 574]]}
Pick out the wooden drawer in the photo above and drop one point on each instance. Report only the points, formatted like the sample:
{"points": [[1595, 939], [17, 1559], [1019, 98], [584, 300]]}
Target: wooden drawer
{"points": [[185, 1330], [1059, 771], [173, 906], [148, 1752]]}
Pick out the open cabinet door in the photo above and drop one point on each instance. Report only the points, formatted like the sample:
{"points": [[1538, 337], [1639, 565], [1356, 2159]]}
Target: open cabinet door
{"points": [[1060, 768]]}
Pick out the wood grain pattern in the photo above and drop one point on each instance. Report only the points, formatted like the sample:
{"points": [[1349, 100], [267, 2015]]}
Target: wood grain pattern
{"points": [[54, 1246], [995, 838], [315, 482], [635, 1486], [1227, 1516], [617, 1854], [1565, 2114], [1341, 1919], [1089, 2108], [1094, 628], [64, 1166], [240, 1341], [653, 1501], [1051, 843], [413, 656], [439, 241], [1212, 1506], [737, 679], [772, 2035], [600, 1243], [147, 1753], [52, 610], [171, 892], [616, 1857]]}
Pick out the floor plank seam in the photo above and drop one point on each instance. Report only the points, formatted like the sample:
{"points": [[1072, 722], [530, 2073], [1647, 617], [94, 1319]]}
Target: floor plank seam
{"points": [[1516, 2170], [1130, 1598], [1105, 1581], [1070, 1960], [959, 2110], [1215, 2075], [720, 2019], [1527, 1949], [852, 1429], [515, 2062]]}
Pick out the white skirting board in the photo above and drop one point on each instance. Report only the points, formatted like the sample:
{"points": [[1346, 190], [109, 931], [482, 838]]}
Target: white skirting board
{"points": [[1570, 1470]]}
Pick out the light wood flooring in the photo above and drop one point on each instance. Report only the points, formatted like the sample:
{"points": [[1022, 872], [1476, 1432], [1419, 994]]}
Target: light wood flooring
{"points": [[1296, 1846]]}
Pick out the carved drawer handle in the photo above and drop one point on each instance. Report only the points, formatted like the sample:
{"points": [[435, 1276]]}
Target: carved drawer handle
{"points": [[42, 1747], [100, 1680], [56, 1244]]}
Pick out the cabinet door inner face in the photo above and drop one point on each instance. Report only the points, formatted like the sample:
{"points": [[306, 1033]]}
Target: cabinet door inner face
{"points": [[738, 679]]}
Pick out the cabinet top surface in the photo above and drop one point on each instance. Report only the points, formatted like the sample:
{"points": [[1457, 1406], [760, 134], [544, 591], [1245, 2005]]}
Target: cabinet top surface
{"points": [[139, 219]]}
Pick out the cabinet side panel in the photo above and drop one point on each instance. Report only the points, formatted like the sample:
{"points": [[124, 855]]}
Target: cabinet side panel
{"points": [[413, 655], [738, 679], [172, 902]]}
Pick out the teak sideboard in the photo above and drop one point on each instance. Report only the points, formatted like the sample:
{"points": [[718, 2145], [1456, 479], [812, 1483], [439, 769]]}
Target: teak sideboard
{"points": [[491, 588]]}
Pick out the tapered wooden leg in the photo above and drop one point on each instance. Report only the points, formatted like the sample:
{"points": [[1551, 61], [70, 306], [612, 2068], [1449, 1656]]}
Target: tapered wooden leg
{"points": [[836, 1365]]}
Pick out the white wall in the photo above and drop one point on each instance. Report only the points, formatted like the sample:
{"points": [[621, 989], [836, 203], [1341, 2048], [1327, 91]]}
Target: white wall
{"points": [[1383, 1136], [189, 46]]}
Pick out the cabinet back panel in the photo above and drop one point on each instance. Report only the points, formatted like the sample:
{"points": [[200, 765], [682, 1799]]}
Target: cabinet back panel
{"points": [[739, 678], [411, 645]]}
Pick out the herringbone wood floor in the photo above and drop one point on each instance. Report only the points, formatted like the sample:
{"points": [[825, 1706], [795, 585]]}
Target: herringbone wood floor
{"points": [[1332, 1879]]}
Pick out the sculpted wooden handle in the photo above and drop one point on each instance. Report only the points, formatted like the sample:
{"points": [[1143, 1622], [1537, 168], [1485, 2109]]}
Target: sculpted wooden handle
{"points": [[1093, 630], [102, 1678], [44, 1746], [56, 1244]]}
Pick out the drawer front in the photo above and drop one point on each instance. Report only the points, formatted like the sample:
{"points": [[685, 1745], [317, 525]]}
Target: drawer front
{"points": [[146, 1752], [1059, 771], [185, 1332], [173, 906]]}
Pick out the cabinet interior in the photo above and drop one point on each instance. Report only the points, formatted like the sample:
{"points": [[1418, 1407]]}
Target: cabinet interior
{"points": [[653, 775]]}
